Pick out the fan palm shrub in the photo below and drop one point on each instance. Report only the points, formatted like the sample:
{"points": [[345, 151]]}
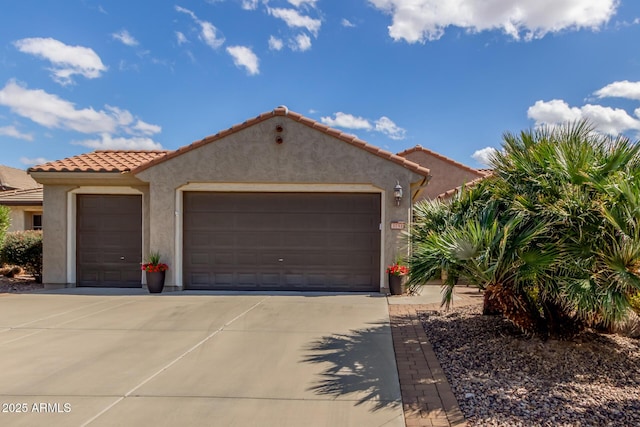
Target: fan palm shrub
{"points": [[553, 237]]}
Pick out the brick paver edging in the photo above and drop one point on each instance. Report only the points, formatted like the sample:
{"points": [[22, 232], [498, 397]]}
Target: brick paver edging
{"points": [[427, 398]]}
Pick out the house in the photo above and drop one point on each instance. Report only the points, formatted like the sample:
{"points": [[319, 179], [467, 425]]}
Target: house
{"points": [[279, 202], [447, 174], [23, 195]]}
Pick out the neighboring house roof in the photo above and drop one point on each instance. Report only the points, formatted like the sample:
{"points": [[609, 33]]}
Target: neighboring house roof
{"points": [[26, 197], [283, 111], [447, 173], [13, 179], [101, 161], [450, 193], [441, 157], [486, 172]]}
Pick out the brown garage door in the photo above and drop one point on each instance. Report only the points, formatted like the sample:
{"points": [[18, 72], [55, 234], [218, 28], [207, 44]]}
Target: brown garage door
{"points": [[109, 240], [282, 241]]}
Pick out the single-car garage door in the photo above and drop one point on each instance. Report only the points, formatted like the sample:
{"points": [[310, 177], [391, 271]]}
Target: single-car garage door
{"points": [[282, 241], [109, 240]]}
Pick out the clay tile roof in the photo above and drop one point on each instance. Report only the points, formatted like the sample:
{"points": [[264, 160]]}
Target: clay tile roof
{"points": [[441, 157], [29, 196], [284, 111], [12, 178], [101, 161], [448, 194]]}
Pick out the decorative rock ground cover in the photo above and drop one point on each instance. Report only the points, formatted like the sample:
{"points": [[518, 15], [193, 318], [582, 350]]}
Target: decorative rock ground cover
{"points": [[502, 378]]}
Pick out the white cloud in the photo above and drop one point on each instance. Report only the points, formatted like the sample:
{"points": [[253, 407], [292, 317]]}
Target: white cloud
{"points": [[208, 32], [347, 121], [610, 120], [294, 19], [383, 125], [108, 142], [386, 126], [605, 119], [484, 155], [244, 57], [52, 112], [13, 132], [554, 112], [66, 60], [187, 12], [249, 4], [427, 20], [181, 38], [301, 43], [209, 35], [33, 161], [125, 38], [623, 89], [346, 23], [146, 128], [275, 43], [298, 3]]}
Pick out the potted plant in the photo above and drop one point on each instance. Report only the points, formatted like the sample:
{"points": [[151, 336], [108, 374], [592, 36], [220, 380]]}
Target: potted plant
{"points": [[397, 272], [155, 272]]}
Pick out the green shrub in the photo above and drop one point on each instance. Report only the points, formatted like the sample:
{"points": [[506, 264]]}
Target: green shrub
{"points": [[5, 220], [24, 248], [635, 302]]}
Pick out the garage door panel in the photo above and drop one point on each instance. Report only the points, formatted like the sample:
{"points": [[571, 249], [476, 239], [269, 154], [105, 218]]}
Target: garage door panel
{"points": [[298, 241], [259, 239], [314, 239], [108, 240]]}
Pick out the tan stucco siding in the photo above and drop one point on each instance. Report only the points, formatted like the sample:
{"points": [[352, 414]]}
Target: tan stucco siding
{"points": [[251, 155], [54, 235], [445, 176], [21, 217]]}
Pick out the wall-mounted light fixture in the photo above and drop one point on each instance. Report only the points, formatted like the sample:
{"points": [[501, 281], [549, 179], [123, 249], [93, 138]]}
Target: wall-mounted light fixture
{"points": [[397, 193]]}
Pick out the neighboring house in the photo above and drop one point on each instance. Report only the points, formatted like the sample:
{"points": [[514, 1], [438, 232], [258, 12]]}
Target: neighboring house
{"points": [[278, 202], [448, 195], [23, 195], [447, 174]]}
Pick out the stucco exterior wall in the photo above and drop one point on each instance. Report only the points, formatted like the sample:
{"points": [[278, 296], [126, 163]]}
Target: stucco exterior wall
{"points": [[445, 175], [21, 217], [54, 235], [306, 157]]}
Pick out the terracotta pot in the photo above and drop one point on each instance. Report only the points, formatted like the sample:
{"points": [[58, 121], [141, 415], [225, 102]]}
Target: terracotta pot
{"points": [[396, 284], [155, 281]]}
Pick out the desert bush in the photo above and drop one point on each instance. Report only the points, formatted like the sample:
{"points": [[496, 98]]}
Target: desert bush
{"points": [[24, 249], [5, 220]]}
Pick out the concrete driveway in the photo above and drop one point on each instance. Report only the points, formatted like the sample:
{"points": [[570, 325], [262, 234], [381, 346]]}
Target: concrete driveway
{"points": [[106, 359]]}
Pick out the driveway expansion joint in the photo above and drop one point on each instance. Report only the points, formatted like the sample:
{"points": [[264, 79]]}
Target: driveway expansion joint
{"points": [[173, 362]]}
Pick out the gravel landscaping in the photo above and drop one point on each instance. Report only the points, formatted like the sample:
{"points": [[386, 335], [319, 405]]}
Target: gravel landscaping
{"points": [[19, 284], [503, 378]]}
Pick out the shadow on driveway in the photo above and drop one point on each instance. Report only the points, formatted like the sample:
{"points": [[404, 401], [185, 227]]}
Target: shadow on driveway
{"points": [[359, 362]]}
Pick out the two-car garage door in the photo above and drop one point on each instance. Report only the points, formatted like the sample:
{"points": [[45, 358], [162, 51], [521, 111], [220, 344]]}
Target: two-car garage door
{"points": [[282, 241]]}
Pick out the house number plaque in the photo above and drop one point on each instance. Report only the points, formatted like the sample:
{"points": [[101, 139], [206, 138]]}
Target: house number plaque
{"points": [[397, 225]]}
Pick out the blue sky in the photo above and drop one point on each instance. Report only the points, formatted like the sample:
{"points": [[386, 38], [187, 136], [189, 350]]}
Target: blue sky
{"points": [[79, 75]]}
